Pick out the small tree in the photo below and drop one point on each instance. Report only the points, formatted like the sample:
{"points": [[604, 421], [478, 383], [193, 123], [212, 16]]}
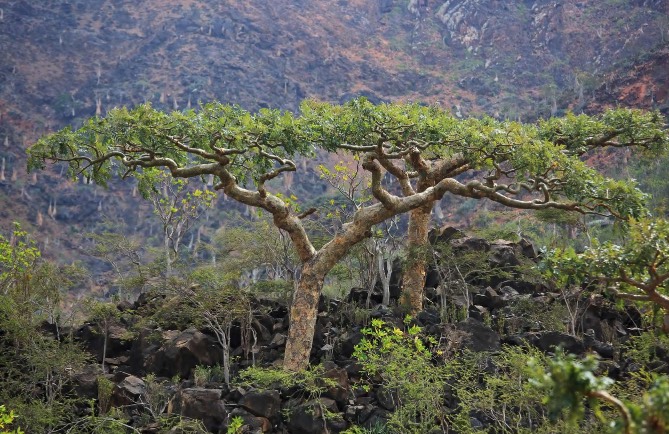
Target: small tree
{"points": [[569, 383], [177, 207], [637, 270], [218, 306], [104, 316]]}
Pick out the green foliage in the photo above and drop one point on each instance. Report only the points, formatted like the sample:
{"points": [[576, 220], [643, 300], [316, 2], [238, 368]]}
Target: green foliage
{"points": [[567, 381], [310, 382], [637, 270], [647, 347], [36, 368], [403, 361], [235, 426], [105, 389], [144, 129], [18, 257], [203, 375], [6, 419], [495, 389], [376, 429]]}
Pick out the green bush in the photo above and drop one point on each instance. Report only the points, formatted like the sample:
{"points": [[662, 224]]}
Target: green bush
{"points": [[402, 361]]}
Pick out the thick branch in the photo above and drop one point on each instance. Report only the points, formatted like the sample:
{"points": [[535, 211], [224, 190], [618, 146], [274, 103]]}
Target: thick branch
{"points": [[381, 194]]}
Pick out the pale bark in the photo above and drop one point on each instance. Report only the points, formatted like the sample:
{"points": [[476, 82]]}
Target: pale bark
{"points": [[413, 280], [385, 265]]}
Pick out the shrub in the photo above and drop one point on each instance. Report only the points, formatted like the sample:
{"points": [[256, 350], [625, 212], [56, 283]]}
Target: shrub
{"points": [[402, 361]]}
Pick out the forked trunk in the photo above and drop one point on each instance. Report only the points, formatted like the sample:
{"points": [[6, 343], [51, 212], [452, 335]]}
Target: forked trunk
{"points": [[413, 280]]}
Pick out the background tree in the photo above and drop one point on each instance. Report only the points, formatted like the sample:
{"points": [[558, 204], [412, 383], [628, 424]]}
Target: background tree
{"points": [[177, 207], [245, 151], [533, 166]]}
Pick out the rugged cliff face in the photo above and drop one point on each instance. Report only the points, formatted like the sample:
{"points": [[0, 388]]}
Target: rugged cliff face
{"points": [[66, 60]]}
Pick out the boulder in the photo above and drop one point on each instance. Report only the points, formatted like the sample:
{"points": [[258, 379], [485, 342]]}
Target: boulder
{"points": [[307, 417], [203, 404], [550, 341], [265, 403], [183, 351], [86, 382], [477, 336], [340, 390], [128, 391], [252, 424]]}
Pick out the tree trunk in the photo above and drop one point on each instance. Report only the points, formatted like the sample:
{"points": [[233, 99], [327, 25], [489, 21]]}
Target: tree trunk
{"points": [[385, 272], [168, 259], [303, 312], [413, 280]]}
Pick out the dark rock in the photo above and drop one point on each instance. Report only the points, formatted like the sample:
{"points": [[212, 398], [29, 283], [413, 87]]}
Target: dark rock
{"points": [[252, 424], [386, 398], [478, 336], [279, 340], [489, 298], [527, 249], [444, 235], [603, 349], [478, 312], [550, 341], [307, 418], [203, 404], [503, 255], [262, 403], [378, 418], [471, 243], [119, 340], [428, 317], [86, 382], [128, 391], [124, 306], [340, 391], [183, 351]]}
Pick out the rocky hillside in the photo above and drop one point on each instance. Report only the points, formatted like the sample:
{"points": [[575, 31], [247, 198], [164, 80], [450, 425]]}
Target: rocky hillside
{"points": [[66, 60]]}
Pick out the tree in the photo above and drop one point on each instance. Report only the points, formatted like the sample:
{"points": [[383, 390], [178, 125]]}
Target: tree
{"points": [[176, 206], [533, 166], [569, 382], [637, 270], [218, 309], [245, 152], [104, 316]]}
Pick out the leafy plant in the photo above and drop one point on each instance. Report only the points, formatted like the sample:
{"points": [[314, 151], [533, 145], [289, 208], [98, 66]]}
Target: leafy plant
{"points": [[236, 425], [403, 362], [569, 383], [637, 270], [6, 419], [494, 388]]}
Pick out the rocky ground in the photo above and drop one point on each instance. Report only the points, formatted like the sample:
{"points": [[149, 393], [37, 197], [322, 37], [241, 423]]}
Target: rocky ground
{"points": [[509, 312]]}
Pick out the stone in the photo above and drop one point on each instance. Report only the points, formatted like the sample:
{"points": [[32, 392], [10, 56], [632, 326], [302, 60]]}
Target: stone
{"points": [[266, 403], [252, 424], [86, 382], [181, 352], [128, 391], [307, 418], [202, 404], [477, 336], [489, 298], [279, 340], [341, 390], [550, 341]]}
